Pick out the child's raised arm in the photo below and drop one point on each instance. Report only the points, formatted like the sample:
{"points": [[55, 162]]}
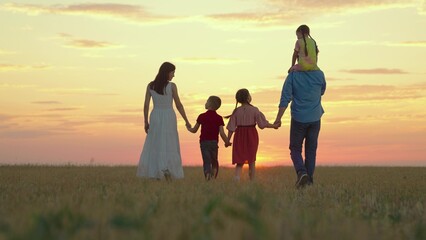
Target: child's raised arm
{"points": [[193, 129]]}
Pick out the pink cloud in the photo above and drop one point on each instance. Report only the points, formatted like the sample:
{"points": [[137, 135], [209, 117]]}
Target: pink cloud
{"points": [[46, 102], [284, 13], [64, 109], [5, 67], [413, 43], [126, 12], [85, 43], [376, 71], [374, 92]]}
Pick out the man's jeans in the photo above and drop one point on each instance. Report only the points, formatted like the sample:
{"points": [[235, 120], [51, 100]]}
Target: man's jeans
{"points": [[309, 133], [209, 150]]}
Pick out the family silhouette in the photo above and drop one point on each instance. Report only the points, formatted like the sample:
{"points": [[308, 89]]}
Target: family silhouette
{"points": [[303, 87]]}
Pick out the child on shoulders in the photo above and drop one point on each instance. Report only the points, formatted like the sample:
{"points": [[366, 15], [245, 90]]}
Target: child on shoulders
{"points": [[305, 51]]}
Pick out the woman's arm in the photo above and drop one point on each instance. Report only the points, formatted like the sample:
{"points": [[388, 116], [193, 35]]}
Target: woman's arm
{"points": [[179, 105], [146, 108]]}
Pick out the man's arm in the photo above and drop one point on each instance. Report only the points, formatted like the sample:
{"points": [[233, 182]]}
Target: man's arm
{"points": [[280, 114]]}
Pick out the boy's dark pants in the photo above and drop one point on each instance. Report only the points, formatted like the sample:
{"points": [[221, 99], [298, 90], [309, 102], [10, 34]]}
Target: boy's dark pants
{"points": [[309, 133], [209, 150]]}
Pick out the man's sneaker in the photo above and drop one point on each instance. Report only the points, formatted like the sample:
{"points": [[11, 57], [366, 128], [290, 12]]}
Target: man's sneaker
{"points": [[310, 181], [215, 172], [302, 180]]}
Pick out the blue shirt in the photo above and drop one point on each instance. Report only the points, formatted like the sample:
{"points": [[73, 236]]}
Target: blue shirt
{"points": [[304, 90]]}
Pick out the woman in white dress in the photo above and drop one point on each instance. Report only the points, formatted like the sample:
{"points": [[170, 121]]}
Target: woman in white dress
{"points": [[160, 157]]}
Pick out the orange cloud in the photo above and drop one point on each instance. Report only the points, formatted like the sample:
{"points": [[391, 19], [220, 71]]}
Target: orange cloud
{"points": [[7, 85], [77, 91], [211, 60], [85, 43], [135, 110], [259, 18], [64, 109], [374, 92], [338, 79], [29, 133], [126, 12], [412, 43], [285, 13], [375, 71], [5, 52], [5, 67], [46, 102]]}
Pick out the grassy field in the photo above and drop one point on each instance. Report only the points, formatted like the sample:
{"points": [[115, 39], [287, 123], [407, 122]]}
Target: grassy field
{"points": [[69, 202]]}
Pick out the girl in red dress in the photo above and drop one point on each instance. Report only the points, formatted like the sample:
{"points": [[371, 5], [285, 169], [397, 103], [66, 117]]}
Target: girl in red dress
{"points": [[243, 122]]}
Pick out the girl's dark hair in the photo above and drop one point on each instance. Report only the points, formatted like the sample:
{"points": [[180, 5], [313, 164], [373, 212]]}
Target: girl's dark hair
{"points": [[242, 96], [304, 29], [162, 79]]}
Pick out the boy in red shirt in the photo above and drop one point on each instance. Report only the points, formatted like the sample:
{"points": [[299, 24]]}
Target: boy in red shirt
{"points": [[211, 126]]}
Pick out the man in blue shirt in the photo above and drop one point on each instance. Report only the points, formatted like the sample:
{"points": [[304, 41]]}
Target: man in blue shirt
{"points": [[304, 90]]}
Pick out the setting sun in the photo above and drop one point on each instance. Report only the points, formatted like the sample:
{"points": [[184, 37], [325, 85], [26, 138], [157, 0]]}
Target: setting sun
{"points": [[73, 76]]}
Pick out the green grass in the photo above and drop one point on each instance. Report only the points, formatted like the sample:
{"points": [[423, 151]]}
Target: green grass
{"points": [[69, 202]]}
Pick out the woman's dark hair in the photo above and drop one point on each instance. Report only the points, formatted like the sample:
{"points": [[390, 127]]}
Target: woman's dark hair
{"points": [[162, 79], [304, 30], [242, 96]]}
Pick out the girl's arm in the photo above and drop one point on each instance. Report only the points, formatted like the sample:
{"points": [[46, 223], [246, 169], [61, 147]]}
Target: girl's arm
{"points": [[224, 137], [230, 135], [179, 105], [294, 58], [146, 108], [262, 122], [193, 129], [295, 55]]}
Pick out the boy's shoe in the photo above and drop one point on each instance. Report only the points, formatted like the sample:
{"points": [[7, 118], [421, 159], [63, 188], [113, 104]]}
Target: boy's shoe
{"points": [[302, 179], [214, 172]]}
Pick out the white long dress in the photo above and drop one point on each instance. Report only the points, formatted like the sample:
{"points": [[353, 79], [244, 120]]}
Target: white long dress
{"points": [[161, 152]]}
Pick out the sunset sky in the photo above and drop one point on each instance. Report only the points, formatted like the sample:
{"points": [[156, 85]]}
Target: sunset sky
{"points": [[73, 75]]}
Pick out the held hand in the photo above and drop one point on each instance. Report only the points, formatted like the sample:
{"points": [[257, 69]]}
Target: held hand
{"points": [[227, 144], [188, 125], [188, 128], [277, 124]]}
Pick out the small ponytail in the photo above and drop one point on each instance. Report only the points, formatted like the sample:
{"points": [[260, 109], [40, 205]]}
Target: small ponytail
{"points": [[306, 48], [316, 46], [235, 109]]}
